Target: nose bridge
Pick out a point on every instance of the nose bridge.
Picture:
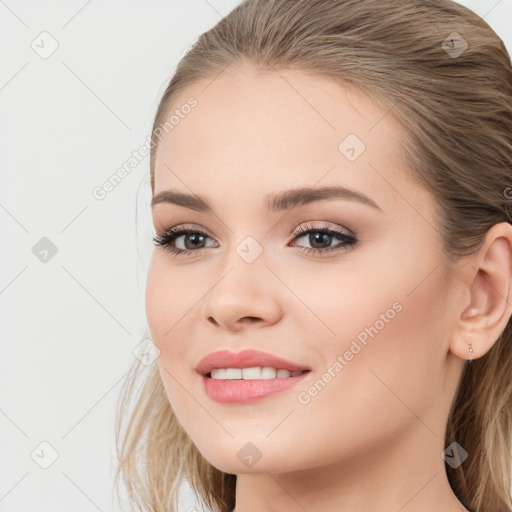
(244, 287)
(245, 243)
(243, 270)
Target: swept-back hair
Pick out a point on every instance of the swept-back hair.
(454, 104)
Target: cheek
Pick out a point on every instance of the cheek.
(385, 303)
(169, 300)
(169, 295)
(388, 300)
(381, 363)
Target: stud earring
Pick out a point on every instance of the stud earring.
(470, 350)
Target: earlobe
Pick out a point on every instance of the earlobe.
(489, 283)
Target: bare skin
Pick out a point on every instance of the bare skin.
(371, 439)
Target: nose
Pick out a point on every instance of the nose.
(243, 297)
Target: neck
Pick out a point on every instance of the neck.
(407, 475)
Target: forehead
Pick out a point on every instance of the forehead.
(258, 132)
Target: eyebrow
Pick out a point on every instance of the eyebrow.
(275, 202)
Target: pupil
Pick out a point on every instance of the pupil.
(319, 237)
(194, 238)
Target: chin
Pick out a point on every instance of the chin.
(237, 457)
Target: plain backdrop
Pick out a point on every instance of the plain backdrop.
(79, 86)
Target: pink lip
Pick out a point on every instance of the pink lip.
(245, 359)
(239, 391)
(242, 390)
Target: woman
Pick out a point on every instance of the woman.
(329, 290)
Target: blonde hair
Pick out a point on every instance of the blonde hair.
(456, 115)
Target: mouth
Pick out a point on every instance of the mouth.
(248, 375)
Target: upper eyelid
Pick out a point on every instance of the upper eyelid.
(301, 230)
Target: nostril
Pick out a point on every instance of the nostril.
(250, 318)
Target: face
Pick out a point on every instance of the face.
(353, 290)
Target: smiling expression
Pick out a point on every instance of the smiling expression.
(234, 173)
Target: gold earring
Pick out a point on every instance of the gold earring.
(470, 350)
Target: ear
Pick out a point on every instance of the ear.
(488, 295)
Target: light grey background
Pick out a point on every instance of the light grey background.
(69, 325)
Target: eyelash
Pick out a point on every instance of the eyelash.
(165, 240)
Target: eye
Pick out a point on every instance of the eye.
(194, 239)
(318, 236)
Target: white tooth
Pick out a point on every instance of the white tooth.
(219, 373)
(268, 373)
(233, 373)
(251, 373)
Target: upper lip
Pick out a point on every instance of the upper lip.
(245, 359)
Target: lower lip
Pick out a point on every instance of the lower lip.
(238, 391)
